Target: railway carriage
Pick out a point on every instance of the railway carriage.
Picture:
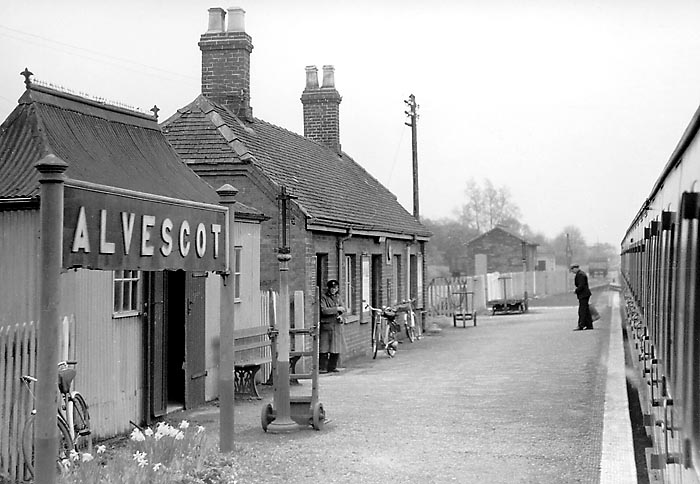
(661, 284)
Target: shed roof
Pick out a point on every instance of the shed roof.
(331, 188)
(501, 229)
(101, 144)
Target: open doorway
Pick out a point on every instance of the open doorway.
(174, 342)
(174, 328)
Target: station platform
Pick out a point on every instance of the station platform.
(519, 398)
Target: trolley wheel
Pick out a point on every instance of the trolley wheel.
(318, 417)
(267, 416)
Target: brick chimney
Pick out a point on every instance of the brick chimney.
(321, 108)
(226, 61)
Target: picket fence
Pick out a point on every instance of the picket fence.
(17, 358)
(445, 295)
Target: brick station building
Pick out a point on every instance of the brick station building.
(345, 224)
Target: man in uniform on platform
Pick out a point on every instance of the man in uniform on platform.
(583, 293)
(331, 337)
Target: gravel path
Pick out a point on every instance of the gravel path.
(516, 399)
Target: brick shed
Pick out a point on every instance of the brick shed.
(499, 250)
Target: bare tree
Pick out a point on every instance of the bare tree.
(487, 206)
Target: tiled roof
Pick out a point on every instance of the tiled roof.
(501, 229)
(101, 144)
(331, 188)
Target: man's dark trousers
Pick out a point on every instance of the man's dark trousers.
(585, 320)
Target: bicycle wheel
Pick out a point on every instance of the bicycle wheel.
(417, 326)
(81, 424)
(391, 342)
(65, 444)
(410, 328)
(376, 337)
(391, 346)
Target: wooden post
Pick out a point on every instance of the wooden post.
(413, 118)
(51, 180)
(227, 194)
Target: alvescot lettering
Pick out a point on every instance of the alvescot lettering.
(105, 247)
(148, 243)
(127, 229)
(81, 241)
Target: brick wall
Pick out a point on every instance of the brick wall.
(226, 70)
(322, 116)
(305, 246)
(504, 252)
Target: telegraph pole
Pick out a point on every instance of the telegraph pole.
(412, 118)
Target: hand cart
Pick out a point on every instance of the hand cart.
(304, 409)
(464, 307)
(508, 304)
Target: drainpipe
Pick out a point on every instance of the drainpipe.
(341, 253)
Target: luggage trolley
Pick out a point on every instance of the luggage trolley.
(508, 304)
(464, 308)
(304, 409)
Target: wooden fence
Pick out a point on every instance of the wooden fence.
(445, 294)
(17, 358)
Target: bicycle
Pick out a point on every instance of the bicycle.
(73, 419)
(384, 330)
(413, 331)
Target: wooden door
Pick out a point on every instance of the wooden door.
(156, 367)
(376, 299)
(195, 360)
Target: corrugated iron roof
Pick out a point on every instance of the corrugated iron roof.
(101, 144)
(332, 188)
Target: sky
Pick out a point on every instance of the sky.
(575, 107)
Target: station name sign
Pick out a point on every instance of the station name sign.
(113, 229)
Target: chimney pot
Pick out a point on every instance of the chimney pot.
(216, 20)
(311, 77)
(328, 77)
(236, 19)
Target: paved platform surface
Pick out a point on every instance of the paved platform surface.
(519, 398)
